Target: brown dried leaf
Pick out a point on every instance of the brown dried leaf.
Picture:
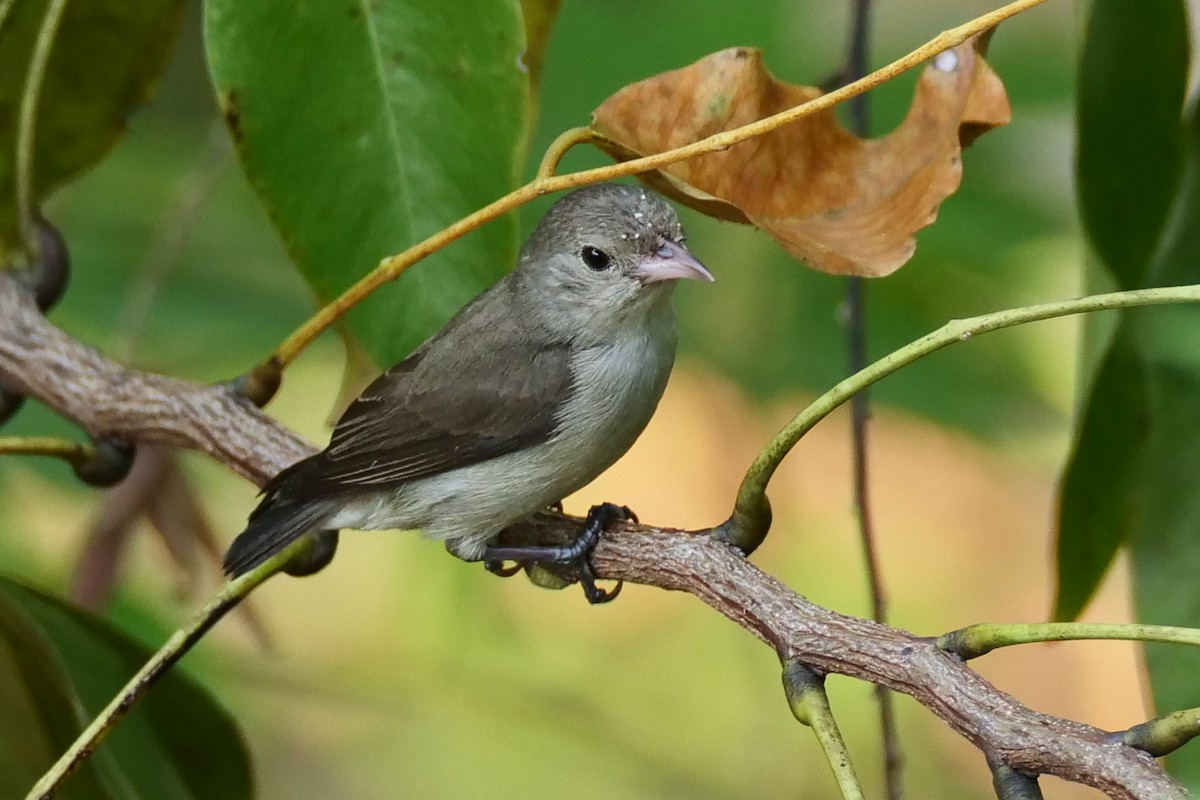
(844, 205)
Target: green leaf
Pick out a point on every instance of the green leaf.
(1131, 150)
(1166, 552)
(59, 666)
(367, 127)
(1099, 488)
(1165, 544)
(1132, 81)
(105, 63)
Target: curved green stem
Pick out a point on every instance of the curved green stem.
(810, 705)
(228, 596)
(977, 640)
(1165, 734)
(559, 147)
(26, 124)
(746, 526)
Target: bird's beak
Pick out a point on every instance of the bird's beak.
(669, 263)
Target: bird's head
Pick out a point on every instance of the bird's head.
(607, 255)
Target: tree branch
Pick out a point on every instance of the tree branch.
(107, 399)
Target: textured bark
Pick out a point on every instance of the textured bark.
(107, 399)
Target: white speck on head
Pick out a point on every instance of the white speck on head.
(946, 61)
(638, 215)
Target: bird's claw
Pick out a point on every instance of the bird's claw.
(498, 568)
(574, 554)
(587, 579)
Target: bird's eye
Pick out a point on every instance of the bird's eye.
(595, 258)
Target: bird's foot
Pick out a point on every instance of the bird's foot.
(575, 554)
(498, 569)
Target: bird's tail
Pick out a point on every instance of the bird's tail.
(271, 528)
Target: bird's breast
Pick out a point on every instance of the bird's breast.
(615, 390)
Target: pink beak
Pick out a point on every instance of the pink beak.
(671, 262)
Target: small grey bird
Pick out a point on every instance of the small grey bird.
(528, 393)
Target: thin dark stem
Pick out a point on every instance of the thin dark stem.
(856, 65)
(860, 409)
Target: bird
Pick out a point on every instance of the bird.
(528, 393)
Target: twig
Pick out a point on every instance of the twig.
(27, 124)
(810, 705)
(559, 147)
(72, 452)
(977, 640)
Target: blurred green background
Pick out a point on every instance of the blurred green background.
(401, 672)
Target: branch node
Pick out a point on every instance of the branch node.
(805, 689)
(10, 403)
(259, 384)
(104, 464)
(1164, 734)
(748, 525)
(799, 684)
(49, 275)
(316, 557)
(1010, 784)
(964, 643)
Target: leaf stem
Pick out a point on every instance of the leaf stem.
(810, 706)
(73, 452)
(390, 268)
(27, 123)
(180, 642)
(977, 640)
(752, 500)
(559, 147)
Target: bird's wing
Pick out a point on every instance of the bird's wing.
(422, 418)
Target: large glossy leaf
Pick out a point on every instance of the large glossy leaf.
(106, 60)
(366, 127)
(59, 666)
(1130, 151)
